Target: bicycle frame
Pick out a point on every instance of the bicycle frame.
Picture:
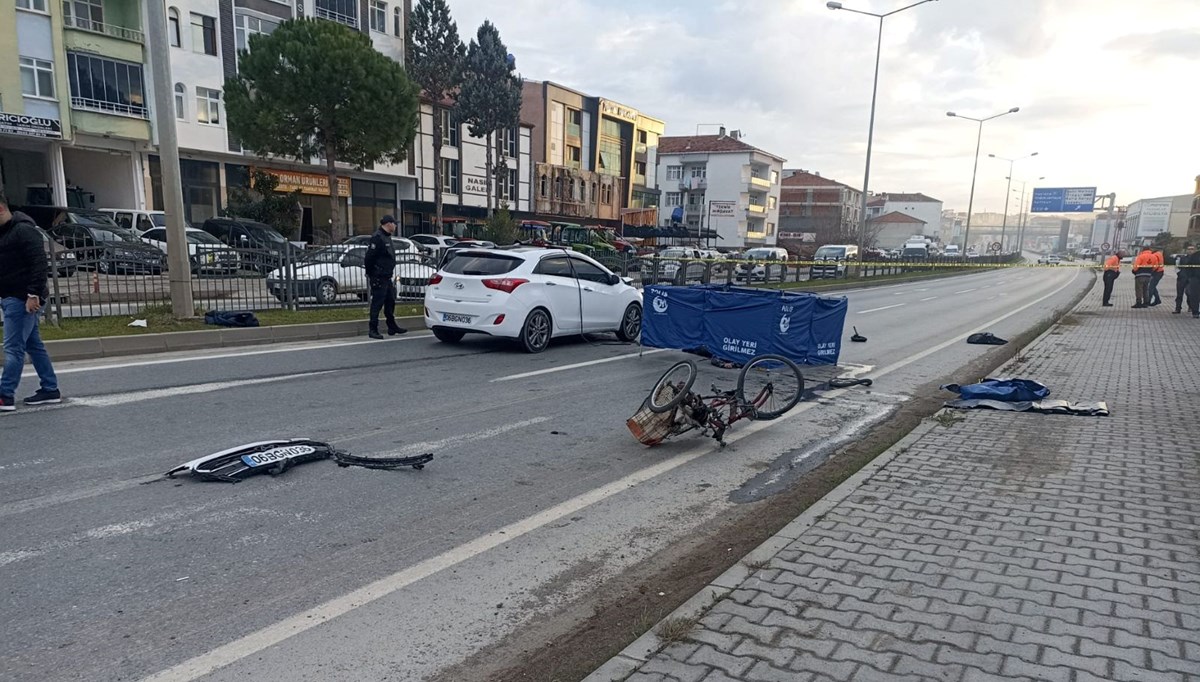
(705, 412)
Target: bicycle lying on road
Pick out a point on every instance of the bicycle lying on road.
(767, 387)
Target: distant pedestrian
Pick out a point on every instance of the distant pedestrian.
(24, 267)
(1181, 276)
(380, 263)
(1156, 276)
(1112, 270)
(1191, 263)
(1143, 270)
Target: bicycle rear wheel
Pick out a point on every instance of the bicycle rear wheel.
(673, 387)
(769, 386)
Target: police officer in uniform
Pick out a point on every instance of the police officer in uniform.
(380, 263)
(1181, 277)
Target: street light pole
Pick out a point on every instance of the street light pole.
(1021, 231)
(978, 140)
(1008, 193)
(862, 227)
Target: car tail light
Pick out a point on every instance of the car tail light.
(505, 284)
(499, 319)
(436, 279)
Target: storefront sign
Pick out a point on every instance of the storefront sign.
(30, 126)
(722, 209)
(614, 110)
(308, 183)
(475, 184)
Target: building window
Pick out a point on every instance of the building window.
(642, 137)
(34, 5)
(606, 194)
(449, 131)
(771, 203)
(173, 34)
(699, 171)
(208, 106)
(674, 172)
(610, 158)
(85, 14)
(450, 176)
(510, 142)
(695, 200)
(341, 11)
(372, 200)
(774, 177)
(508, 185)
(246, 26)
(674, 199)
(37, 77)
(204, 34)
(378, 16)
(106, 85)
(398, 22)
(574, 157)
(639, 172)
(770, 229)
(180, 102)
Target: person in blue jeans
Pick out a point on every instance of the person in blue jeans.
(24, 267)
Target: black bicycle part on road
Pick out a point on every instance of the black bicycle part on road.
(782, 386)
(673, 387)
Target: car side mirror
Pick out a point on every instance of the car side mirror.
(613, 280)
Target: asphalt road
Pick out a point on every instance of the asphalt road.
(536, 496)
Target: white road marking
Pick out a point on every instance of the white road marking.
(251, 644)
(277, 348)
(875, 310)
(965, 291)
(927, 299)
(589, 363)
(418, 448)
(159, 393)
(22, 506)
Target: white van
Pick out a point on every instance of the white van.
(753, 271)
(139, 221)
(830, 261)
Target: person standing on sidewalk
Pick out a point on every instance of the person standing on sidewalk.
(380, 263)
(1156, 276)
(1181, 277)
(1143, 270)
(1191, 263)
(24, 267)
(1112, 270)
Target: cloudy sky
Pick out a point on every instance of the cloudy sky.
(1109, 90)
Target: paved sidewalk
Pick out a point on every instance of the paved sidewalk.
(1005, 546)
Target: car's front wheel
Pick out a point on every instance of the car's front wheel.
(535, 333)
(631, 323)
(327, 291)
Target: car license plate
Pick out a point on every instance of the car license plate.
(461, 319)
(274, 455)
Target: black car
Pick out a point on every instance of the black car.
(97, 242)
(261, 247)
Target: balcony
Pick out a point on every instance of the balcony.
(332, 15)
(758, 184)
(756, 209)
(129, 110)
(686, 184)
(110, 30)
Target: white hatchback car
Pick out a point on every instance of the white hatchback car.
(529, 294)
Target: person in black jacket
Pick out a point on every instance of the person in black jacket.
(24, 267)
(1181, 277)
(380, 263)
(1191, 263)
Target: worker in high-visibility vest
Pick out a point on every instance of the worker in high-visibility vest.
(1143, 270)
(1112, 270)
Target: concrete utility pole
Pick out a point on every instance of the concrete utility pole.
(168, 153)
(975, 172)
(1008, 194)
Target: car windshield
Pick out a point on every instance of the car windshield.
(831, 252)
(265, 234)
(159, 219)
(202, 238)
(94, 220)
(109, 233)
(481, 264)
(673, 253)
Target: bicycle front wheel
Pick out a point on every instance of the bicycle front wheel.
(673, 387)
(769, 385)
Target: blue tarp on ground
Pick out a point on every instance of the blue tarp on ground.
(735, 324)
(1007, 390)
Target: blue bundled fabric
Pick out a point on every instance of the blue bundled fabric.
(1005, 390)
(735, 324)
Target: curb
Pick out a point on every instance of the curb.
(140, 344)
(639, 652)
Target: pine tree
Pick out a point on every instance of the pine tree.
(318, 88)
(490, 99)
(435, 63)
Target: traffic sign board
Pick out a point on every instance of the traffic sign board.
(1106, 246)
(995, 246)
(1063, 200)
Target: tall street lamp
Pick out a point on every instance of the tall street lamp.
(1021, 230)
(1008, 192)
(978, 140)
(862, 229)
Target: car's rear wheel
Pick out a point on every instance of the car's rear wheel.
(631, 323)
(448, 335)
(535, 333)
(327, 291)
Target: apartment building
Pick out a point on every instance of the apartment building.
(817, 209)
(723, 186)
(77, 111)
(924, 208)
(594, 158)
